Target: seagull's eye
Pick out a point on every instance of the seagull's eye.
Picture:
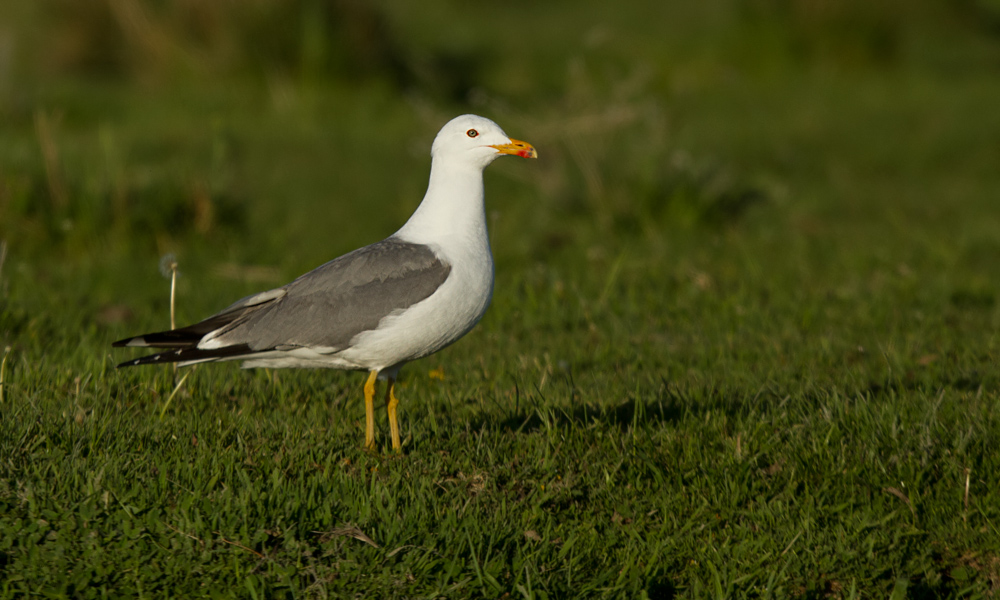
(472, 133)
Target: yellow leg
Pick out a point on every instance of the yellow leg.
(370, 410)
(391, 401)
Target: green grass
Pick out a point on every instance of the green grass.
(742, 343)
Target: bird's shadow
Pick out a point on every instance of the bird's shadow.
(534, 410)
(668, 403)
(623, 415)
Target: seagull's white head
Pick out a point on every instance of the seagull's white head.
(478, 141)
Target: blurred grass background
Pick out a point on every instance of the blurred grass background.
(749, 218)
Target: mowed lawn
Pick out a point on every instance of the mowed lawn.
(743, 340)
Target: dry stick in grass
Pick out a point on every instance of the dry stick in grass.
(173, 298)
(186, 534)
(902, 496)
(168, 267)
(965, 513)
(238, 545)
(6, 351)
(3, 256)
(349, 530)
(169, 262)
(3, 367)
(177, 388)
(173, 295)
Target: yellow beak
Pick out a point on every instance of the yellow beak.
(517, 148)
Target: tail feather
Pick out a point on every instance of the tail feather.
(191, 355)
(184, 337)
(183, 342)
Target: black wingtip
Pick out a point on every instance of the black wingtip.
(161, 358)
(189, 355)
(135, 362)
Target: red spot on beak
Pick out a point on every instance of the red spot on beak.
(517, 148)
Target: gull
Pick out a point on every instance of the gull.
(380, 306)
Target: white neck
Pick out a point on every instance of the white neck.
(453, 210)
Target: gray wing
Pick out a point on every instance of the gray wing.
(331, 304)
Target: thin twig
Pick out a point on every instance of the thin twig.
(172, 394)
(902, 496)
(3, 367)
(173, 297)
(349, 530)
(791, 543)
(968, 472)
(238, 545)
(186, 534)
(3, 255)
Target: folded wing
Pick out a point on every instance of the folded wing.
(325, 308)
